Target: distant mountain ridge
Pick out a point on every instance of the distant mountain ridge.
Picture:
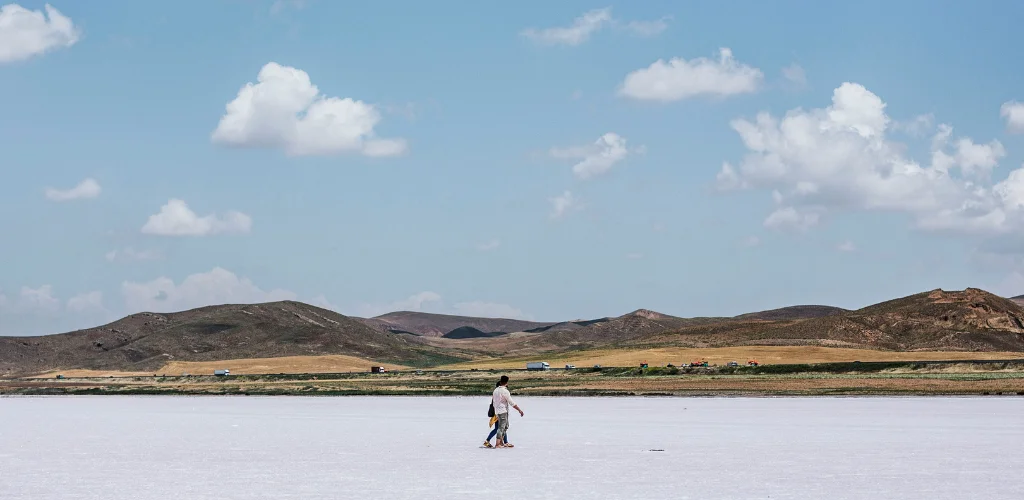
(967, 320)
(437, 325)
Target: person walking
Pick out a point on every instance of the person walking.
(502, 401)
(493, 424)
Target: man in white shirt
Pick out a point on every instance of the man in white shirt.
(502, 400)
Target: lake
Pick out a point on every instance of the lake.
(222, 448)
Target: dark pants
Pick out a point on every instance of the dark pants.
(494, 431)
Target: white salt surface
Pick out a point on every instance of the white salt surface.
(223, 448)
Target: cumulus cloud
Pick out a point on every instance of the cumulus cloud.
(27, 33)
(790, 218)
(218, 286)
(562, 204)
(917, 126)
(176, 219)
(31, 301)
(795, 75)
(580, 30)
(417, 302)
(285, 110)
(129, 253)
(681, 79)
(597, 158)
(488, 310)
(841, 158)
(34, 311)
(1013, 112)
(85, 190)
(86, 302)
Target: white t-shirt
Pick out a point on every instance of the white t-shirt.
(502, 400)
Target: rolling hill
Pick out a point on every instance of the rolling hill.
(147, 341)
(437, 325)
(1018, 299)
(968, 320)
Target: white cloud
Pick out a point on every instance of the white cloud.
(846, 246)
(580, 30)
(789, 218)
(648, 28)
(415, 302)
(176, 219)
(129, 253)
(85, 190)
(489, 245)
(917, 126)
(285, 110)
(680, 79)
(27, 33)
(562, 204)
(279, 6)
(597, 158)
(218, 286)
(86, 302)
(322, 302)
(35, 311)
(586, 25)
(488, 310)
(1013, 112)
(795, 75)
(31, 301)
(840, 158)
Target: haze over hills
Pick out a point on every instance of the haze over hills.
(1018, 299)
(969, 320)
(437, 325)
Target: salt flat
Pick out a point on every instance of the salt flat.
(197, 448)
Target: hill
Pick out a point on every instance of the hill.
(147, 341)
(793, 313)
(968, 320)
(1018, 299)
(437, 325)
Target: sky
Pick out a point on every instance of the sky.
(545, 161)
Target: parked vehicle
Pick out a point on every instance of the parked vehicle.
(733, 363)
(570, 367)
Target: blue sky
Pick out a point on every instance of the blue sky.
(405, 155)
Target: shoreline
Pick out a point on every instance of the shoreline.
(1000, 378)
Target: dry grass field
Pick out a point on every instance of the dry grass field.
(285, 364)
(721, 356)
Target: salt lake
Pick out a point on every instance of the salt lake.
(199, 448)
